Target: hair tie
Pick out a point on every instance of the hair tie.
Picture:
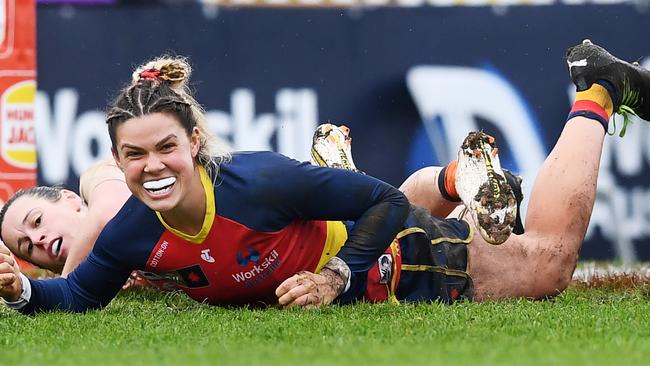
(151, 74)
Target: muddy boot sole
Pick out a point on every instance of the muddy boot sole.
(483, 188)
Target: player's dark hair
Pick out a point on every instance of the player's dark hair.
(52, 194)
(160, 86)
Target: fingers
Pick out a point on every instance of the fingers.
(300, 295)
(7, 268)
(307, 301)
(291, 289)
(7, 279)
(4, 249)
(286, 286)
(8, 259)
(299, 290)
(10, 287)
(8, 274)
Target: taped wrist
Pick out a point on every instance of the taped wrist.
(342, 271)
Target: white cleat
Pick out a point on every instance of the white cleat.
(482, 186)
(332, 147)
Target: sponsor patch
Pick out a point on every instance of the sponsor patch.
(385, 266)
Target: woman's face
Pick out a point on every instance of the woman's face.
(157, 158)
(41, 231)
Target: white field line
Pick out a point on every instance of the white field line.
(587, 271)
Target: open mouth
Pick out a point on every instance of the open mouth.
(160, 186)
(56, 247)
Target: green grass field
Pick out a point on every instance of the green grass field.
(605, 325)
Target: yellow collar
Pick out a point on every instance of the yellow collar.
(209, 212)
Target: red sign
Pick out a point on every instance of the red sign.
(17, 93)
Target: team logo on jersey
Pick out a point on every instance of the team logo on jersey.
(385, 266)
(193, 276)
(205, 255)
(245, 256)
(261, 269)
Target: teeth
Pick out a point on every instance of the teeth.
(56, 249)
(159, 192)
(159, 184)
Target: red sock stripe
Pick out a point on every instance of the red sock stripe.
(591, 106)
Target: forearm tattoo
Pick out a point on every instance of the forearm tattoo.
(337, 273)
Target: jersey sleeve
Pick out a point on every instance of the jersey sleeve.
(96, 281)
(91, 286)
(309, 192)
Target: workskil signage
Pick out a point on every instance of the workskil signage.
(408, 82)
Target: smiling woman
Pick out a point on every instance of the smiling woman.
(258, 228)
(195, 210)
(158, 163)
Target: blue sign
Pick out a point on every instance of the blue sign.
(408, 82)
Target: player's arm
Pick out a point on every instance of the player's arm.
(378, 209)
(92, 285)
(10, 283)
(104, 190)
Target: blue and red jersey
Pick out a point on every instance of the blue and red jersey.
(267, 217)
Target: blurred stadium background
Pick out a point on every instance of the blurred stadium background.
(410, 77)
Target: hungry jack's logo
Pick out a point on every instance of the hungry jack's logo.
(18, 134)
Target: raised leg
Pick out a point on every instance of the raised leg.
(422, 190)
(540, 263)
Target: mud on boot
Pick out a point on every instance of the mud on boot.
(482, 186)
(515, 182)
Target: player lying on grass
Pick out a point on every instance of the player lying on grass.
(538, 264)
(69, 224)
(18, 224)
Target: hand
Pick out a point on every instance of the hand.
(10, 285)
(310, 290)
(136, 280)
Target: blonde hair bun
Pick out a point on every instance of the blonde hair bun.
(175, 70)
